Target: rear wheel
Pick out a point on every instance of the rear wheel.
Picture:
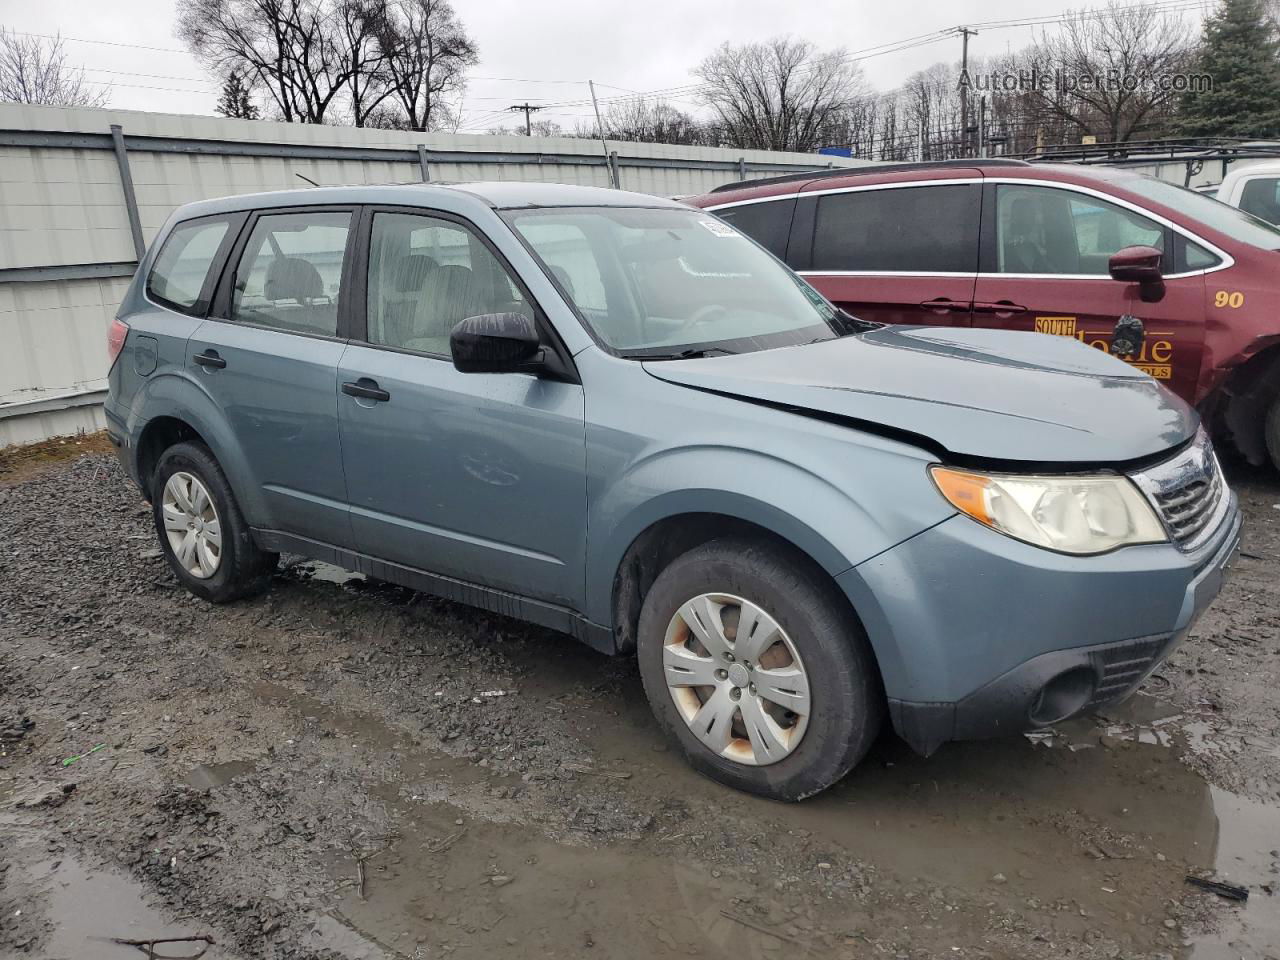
(755, 665)
(202, 534)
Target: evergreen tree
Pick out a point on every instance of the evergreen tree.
(1240, 52)
(235, 101)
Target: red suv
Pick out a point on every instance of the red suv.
(1068, 250)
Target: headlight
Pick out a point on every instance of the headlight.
(1069, 514)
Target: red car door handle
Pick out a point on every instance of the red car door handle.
(944, 305)
(1001, 308)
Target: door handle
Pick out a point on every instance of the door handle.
(1001, 308)
(366, 389)
(944, 305)
(210, 359)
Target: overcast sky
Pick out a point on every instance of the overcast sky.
(545, 51)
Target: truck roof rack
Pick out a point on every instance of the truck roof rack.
(870, 168)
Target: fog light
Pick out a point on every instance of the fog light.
(1063, 696)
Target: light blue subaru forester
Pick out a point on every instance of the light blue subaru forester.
(618, 417)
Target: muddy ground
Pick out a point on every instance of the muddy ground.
(339, 769)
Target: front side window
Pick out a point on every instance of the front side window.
(658, 282)
(1049, 231)
(290, 273)
(899, 230)
(768, 223)
(425, 275)
(1262, 198)
(182, 266)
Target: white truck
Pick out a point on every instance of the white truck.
(1254, 189)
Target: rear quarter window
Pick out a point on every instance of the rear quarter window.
(179, 276)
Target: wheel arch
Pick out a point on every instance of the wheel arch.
(172, 410)
(1241, 404)
(651, 550)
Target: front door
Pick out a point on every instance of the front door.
(1045, 256)
(270, 363)
(476, 476)
(893, 253)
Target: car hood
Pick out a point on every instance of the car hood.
(976, 394)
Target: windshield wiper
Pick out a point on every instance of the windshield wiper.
(690, 354)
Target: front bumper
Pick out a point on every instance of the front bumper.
(981, 636)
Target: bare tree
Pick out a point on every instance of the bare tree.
(649, 121)
(35, 70)
(539, 128)
(777, 95)
(1106, 67)
(362, 26)
(427, 53)
(294, 50)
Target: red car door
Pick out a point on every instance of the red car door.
(1045, 250)
(902, 251)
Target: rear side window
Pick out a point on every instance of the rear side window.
(767, 223)
(1262, 199)
(290, 274)
(426, 274)
(899, 230)
(178, 276)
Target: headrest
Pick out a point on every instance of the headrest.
(411, 271)
(292, 278)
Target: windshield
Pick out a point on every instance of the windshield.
(666, 282)
(1220, 216)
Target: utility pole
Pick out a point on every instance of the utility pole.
(528, 108)
(965, 33)
(982, 126)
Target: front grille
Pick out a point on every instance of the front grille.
(1122, 665)
(1189, 493)
(1187, 511)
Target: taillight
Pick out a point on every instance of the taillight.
(115, 339)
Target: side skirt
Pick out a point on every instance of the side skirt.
(486, 598)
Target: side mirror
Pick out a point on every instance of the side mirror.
(1140, 265)
(495, 343)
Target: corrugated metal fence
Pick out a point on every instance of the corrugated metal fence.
(84, 191)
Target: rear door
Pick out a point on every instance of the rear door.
(903, 252)
(476, 476)
(268, 357)
(1045, 258)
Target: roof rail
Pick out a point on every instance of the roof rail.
(870, 168)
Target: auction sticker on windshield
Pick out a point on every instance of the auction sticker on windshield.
(719, 228)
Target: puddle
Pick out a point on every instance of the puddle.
(1247, 853)
(210, 776)
(351, 581)
(507, 891)
(82, 908)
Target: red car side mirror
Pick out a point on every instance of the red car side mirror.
(1140, 265)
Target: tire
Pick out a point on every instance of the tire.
(237, 568)
(818, 632)
(1271, 431)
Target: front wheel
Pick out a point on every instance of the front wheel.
(202, 534)
(1271, 431)
(756, 666)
